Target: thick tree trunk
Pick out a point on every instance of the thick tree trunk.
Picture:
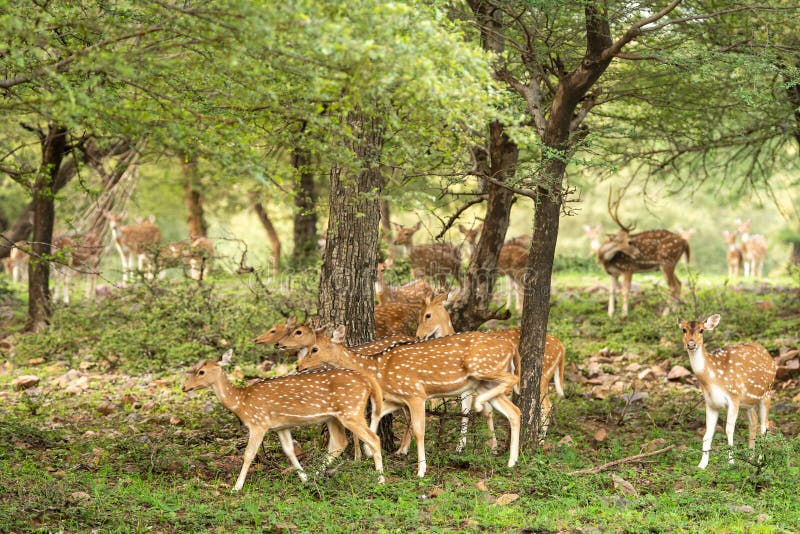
(386, 227)
(306, 249)
(346, 286)
(472, 306)
(193, 197)
(272, 235)
(54, 144)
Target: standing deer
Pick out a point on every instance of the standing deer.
(732, 377)
(434, 321)
(437, 260)
(338, 397)
(409, 374)
(733, 254)
(471, 236)
(135, 243)
(513, 263)
(81, 255)
(624, 254)
(754, 250)
(413, 292)
(396, 318)
(16, 264)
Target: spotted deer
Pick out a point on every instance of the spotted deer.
(471, 236)
(624, 254)
(434, 321)
(81, 254)
(195, 254)
(16, 264)
(136, 243)
(754, 250)
(733, 254)
(513, 263)
(396, 318)
(437, 260)
(410, 374)
(413, 292)
(337, 397)
(732, 377)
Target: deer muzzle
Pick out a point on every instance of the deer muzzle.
(691, 345)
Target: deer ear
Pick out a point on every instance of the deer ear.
(226, 358)
(462, 229)
(291, 322)
(440, 298)
(339, 335)
(418, 226)
(712, 322)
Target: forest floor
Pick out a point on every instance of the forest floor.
(102, 438)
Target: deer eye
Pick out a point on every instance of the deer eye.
(201, 372)
(684, 330)
(427, 315)
(700, 331)
(315, 349)
(298, 333)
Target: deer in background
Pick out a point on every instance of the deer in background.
(81, 254)
(409, 374)
(754, 250)
(434, 321)
(732, 377)
(196, 254)
(136, 243)
(337, 397)
(437, 260)
(413, 292)
(16, 264)
(512, 262)
(396, 318)
(624, 254)
(471, 236)
(733, 254)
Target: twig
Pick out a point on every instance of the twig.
(595, 470)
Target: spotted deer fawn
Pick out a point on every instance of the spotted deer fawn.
(434, 321)
(81, 255)
(437, 260)
(136, 243)
(732, 377)
(337, 397)
(413, 292)
(624, 254)
(410, 374)
(754, 250)
(733, 254)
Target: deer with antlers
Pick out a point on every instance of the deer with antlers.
(410, 374)
(337, 397)
(624, 254)
(434, 321)
(413, 292)
(437, 260)
(732, 377)
(754, 250)
(136, 243)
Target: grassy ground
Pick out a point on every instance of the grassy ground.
(108, 441)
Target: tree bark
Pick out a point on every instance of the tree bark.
(193, 197)
(54, 144)
(306, 248)
(272, 235)
(386, 227)
(346, 286)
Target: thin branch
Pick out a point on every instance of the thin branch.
(453, 218)
(636, 30)
(629, 459)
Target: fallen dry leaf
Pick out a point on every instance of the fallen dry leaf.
(481, 485)
(36, 361)
(435, 492)
(507, 498)
(677, 372)
(623, 485)
(566, 440)
(743, 508)
(81, 496)
(601, 435)
(25, 382)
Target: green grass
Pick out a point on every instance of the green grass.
(133, 453)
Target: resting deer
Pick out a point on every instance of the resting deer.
(754, 250)
(731, 377)
(437, 260)
(733, 255)
(135, 243)
(434, 321)
(410, 374)
(196, 254)
(624, 254)
(337, 397)
(82, 255)
(16, 264)
(413, 292)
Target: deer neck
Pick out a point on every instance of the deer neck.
(229, 395)
(702, 367)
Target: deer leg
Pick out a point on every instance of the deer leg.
(763, 413)
(752, 420)
(405, 441)
(337, 441)
(360, 429)
(253, 443)
(504, 405)
(285, 437)
(417, 408)
(730, 425)
(466, 406)
(488, 415)
(90, 283)
(506, 383)
(674, 287)
(612, 290)
(712, 414)
(626, 291)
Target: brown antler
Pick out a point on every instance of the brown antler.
(614, 213)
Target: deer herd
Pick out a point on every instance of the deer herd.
(418, 356)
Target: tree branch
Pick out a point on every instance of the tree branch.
(636, 30)
(629, 459)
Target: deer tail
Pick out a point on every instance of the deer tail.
(687, 252)
(376, 394)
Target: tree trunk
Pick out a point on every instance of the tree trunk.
(386, 227)
(346, 286)
(39, 305)
(193, 197)
(306, 248)
(272, 235)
